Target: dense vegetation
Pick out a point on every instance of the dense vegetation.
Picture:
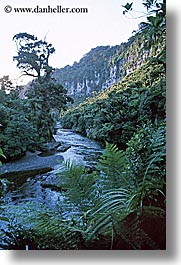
(28, 116)
(117, 206)
(119, 112)
(132, 115)
(27, 123)
(121, 203)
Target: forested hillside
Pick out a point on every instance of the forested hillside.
(132, 116)
(104, 66)
(106, 189)
(120, 111)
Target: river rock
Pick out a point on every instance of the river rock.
(52, 146)
(30, 165)
(63, 147)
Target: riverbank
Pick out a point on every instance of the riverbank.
(29, 165)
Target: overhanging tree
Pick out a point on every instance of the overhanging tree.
(33, 56)
(155, 26)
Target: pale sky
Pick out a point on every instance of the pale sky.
(72, 35)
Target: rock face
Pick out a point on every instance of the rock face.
(103, 67)
(52, 146)
(91, 74)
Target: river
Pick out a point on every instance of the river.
(25, 191)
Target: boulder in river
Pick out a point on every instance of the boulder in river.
(52, 146)
(63, 148)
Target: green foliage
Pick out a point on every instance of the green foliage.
(114, 203)
(27, 122)
(18, 136)
(33, 55)
(32, 224)
(148, 147)
(39, 108)
(46, 99)
(136, 195)
(154, 29)
(131, 186)
(128, 7)
(79, 184)
(112, 164)
(1, 155)
(121, 205)
(115, 114)
(152, 6)
(17, 132)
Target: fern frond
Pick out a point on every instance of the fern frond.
(110, 200)
(79, 184)
(113, 165)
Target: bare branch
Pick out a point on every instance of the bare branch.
(29, 74)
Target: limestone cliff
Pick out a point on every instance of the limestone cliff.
(104, 66)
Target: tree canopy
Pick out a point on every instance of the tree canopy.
(33, 55)
(28, 114)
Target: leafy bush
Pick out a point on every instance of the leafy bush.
(29, 121)
(18, 136)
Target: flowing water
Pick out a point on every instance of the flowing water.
(24, 188)
(30, 191)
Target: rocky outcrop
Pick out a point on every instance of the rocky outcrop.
(91, 74)
(103, 67)
(30, 165)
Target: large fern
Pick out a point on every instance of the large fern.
(134, 193)
(55, 233)
(79, 184)
(113, 166)
(112, 202)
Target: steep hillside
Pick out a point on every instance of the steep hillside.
(103, 67)
(118, 112)
(91, 73)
